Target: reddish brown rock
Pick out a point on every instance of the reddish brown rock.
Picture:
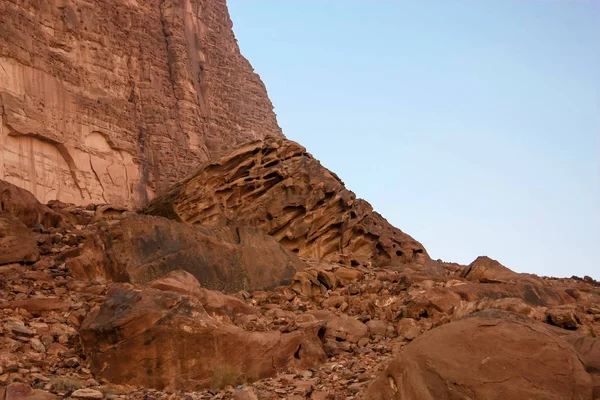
(20, 391)
(348, 275)
(22, 205)
(110, 101)
(346, 329)
(277, 186)
(306, 283)
(178, 281)
(564, 317)
(216, 304)
(533, 290)
(37, 305)
(487, 270)
(17, 242)
(141, 248)
(491, 354)
(377, 328)
(165, 340)
(512, 304)
(430, 303)
(407, 328)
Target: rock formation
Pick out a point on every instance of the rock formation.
(166, 340)
(110, 101)
(334, 332)
(141, 248)
(490, 354)
(254, 274)
(277, 186)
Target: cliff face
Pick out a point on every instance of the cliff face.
(113, 100)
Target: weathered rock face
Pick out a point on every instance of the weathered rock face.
(16, 242)
(277, 186)
(491, 354)
(165, 340)
(110, 101)
(141, 248)
(21, 204)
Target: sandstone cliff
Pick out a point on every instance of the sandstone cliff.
(109, 101)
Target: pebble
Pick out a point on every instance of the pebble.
(87, 394)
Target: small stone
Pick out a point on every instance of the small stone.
(40, 378)
(354, 388)
(18, 329)
(91, 382)
(318, 396)
(47, 340)
(12, 368)
(37, 345)
(39, 327)
(87, 394)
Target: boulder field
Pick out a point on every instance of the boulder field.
(160, 239)
(104, 302)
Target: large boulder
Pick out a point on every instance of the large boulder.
(17, 243)
(166, 340)
(277, 186)
(23, 205)
(142, 248)
(488, 355)
(486, 269)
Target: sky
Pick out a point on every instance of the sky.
(473, 126)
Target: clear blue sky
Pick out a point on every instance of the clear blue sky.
(473, 126)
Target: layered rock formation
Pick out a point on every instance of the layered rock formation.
(111, 101)
(277, 186)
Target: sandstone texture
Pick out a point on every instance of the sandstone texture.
(277, 186)
(21, 204)
(165, 340)
(110, 101)
(161, 240)
(332, 332)
(141, 248)
(489, 355)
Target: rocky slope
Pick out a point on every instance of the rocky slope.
(113, 100)
(257, 275)
(277, 186)
(332, 332)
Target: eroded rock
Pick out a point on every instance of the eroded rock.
(166, 340)
(277, 186)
